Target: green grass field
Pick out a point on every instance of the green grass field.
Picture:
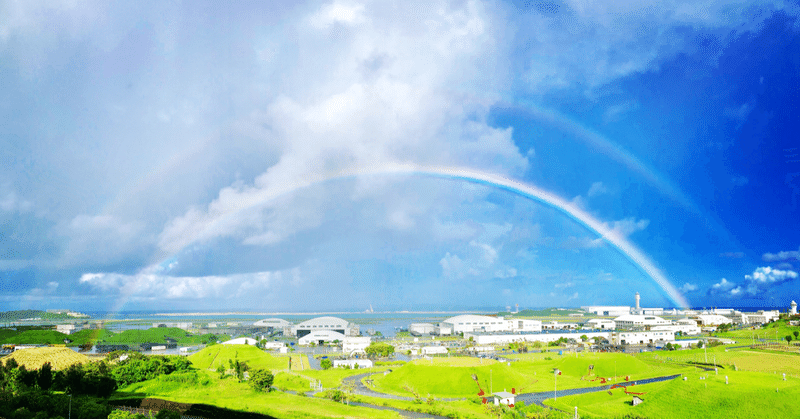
(230, 394)
(215, 355)
(530, 374)
(748, 395)
(745, 359)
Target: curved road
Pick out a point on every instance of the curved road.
(541, 396)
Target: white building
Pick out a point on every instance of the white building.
(793, 308)
(524, 325)
(443, 330)
(333, 324)
(612, 311)
(761, 317)
(642, 337)
(241, 341)
(69, 329)
(474, 323)
(686, 329)
(504, 397)
(273, 324)
(434, 350)
(353, 344)
(272, 346)
(421, 329)
(631, 321)
(319, 337)
(605, 324)
(554, 325)
(711, 319)
(352, 363)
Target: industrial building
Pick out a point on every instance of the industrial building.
(611, 311)
(333, 324)
(352, 345)
(606, 324)
(320, 337)
(273, 324)
(420, 329)
(632, 321)
(686, 329)
(474, 323)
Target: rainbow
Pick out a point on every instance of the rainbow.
(621, 243)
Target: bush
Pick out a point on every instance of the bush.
(261, 380)
(326, 364)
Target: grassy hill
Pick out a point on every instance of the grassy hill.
(32, 337)
(212, 356)
(532, 374)
(59, 358)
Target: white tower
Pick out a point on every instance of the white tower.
(637, 301)
(793, 309)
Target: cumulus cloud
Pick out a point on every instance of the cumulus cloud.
(754, 284)
(371, 99)
(596, 189)
(10, 202)
(627, 226)
(687, 287)
(781, 256)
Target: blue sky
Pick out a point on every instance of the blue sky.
(170, 155)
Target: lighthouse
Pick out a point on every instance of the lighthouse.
(637, 301)
(793, 309)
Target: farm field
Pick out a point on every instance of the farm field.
(59, 358)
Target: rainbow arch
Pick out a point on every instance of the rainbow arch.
(621, 243)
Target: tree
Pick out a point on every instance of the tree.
(168, 414)
(326, 364)
(700, 344)
(668, 346)
(381, 349)
(796, 335)
(584, 338)
(45, 377)
(788, 338)
(221, 370)
(261, 380)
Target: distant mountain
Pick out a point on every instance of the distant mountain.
(19, 315)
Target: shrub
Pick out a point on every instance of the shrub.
(261, 380)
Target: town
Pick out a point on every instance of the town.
(598, 361)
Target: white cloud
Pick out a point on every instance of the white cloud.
(756, 283)
(371, 98)
(337, 12)
(564, 285)
(150, 284)
(597, 189)
(687, 287)
(723, 285)
(481, 260)
(629, 37)
(627, 226)
(781, 256)
(11, 202)
(101, 238)
(768, 275)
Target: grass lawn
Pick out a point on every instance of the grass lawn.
(530, 375)
(745, 359)
(292, 382)
(212, 356)
(230, 394)
(748, 395)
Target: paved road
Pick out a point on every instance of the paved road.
(540, 397)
